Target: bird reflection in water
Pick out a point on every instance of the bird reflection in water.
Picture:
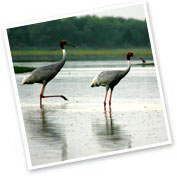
(46, 136)
(43, 115)
(110, 116)
(110, 135)
(57, 137)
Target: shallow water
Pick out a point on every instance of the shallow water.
(80, 127)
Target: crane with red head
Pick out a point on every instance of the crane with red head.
(110, 79)
(45, 74)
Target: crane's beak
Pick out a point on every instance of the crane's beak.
(139, 57)
(70, 45)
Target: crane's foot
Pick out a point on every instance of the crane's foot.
(64, 98)
(42, 96)
(61, 96)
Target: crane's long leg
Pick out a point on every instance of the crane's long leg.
(42, 96)
(110, 115)
(110, 97)
(105, 98)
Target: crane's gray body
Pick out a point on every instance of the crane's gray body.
(109, 79)
(44, 74)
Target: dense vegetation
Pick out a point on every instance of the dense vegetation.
(20, 69)
(85, 32)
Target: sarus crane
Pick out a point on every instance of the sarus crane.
(45, 74)
(110, 79)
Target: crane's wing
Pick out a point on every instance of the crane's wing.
(106, 78)
(42, 74)
(45, 73)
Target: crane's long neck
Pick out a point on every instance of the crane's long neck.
(128, 68)
(62, 62)
(64, 54)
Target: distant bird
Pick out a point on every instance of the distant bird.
(143, 60)
(110, 79)
(45, 74)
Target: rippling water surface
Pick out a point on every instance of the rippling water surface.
(80, 127)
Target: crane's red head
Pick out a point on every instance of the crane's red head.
(64, 42)
(129, 54)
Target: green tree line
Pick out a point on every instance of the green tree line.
(85, 32)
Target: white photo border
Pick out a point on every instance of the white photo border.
(17, 99)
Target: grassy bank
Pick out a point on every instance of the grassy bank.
(20, 69)
(74, 54)
(77, 54)
(120, 52)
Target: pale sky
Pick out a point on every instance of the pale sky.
(135, 11)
